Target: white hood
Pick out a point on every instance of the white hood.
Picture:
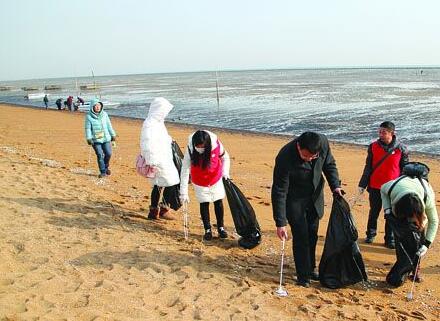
(155, 143)
(159, 109)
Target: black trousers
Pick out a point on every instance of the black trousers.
(375, 209)
(408, 241)
(155, 196)
(304, 222)
(219, 214)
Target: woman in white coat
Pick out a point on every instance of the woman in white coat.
(156, 149)
(207, 161)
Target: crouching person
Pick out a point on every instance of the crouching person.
(409, 206)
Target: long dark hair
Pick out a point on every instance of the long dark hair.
(203, 160)
(409, 206)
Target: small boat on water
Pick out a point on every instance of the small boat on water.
(107, 105)
(89, 87)
(30, 88)
(35, 96)
(52, 87)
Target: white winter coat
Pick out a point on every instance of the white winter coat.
(156, 144)
(204, 193)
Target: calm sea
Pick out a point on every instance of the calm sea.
(346, 104)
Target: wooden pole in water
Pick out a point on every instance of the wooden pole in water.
(218, 96)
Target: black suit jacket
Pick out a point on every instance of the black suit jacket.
(282, 188)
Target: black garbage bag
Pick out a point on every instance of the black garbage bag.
(341, 262)
(171, 194)
(408, 240)
(243, 214)
(177, 155)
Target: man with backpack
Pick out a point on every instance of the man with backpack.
(409, 206)
(385, 160)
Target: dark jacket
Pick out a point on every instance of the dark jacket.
(395, 144)
(286, 162)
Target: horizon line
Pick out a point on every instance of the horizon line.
(250, 69)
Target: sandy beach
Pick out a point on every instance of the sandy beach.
(75, 247)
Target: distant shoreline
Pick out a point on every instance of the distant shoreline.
(231, 130)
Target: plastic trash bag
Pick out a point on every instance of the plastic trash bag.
(243, 214)
(171, 193)
(171, 197)
(341, 261)
(177, 155)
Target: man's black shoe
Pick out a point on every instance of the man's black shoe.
(369, 239)
(314, 276)
(303, 283)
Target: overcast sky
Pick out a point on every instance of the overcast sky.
(58, 38)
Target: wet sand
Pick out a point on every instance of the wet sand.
(75, 247)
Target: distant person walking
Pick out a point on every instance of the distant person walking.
(207, 161)
(156, 149)
(46, 101)
(99, 133)
(298, 196)
(385, 160)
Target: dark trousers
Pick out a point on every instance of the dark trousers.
(155, 196)
(408, 241)
(103, 153)
(304, 225)
(375, 209)
(219, 214)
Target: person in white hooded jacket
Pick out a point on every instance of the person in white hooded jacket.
(155, 146)
(207, 161)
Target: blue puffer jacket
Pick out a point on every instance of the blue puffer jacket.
(97, 126)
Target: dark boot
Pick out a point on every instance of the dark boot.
(153, 214)
(165, 214)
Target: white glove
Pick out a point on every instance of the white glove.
(184, 198)
(361, 190)
(387, 213)
(422, 251)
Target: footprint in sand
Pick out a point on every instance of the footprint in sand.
(204, 275)
(181, 277)
(82, 302)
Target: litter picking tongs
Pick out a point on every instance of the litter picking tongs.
(281, 292)
(410, 294)
(353, 201)
(185, 220)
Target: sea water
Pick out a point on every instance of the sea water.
(346, 104)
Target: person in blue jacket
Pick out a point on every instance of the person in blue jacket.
(100, 133)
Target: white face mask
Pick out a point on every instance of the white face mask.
(200, 150)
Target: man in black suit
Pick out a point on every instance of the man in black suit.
(298, 198)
